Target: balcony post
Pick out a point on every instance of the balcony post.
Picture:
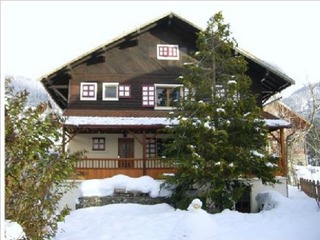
(144, 152)
(283, 153)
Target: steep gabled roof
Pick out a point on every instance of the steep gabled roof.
(121, 38)
(274, 78)
(273, 81)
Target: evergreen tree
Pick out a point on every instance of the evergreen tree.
(220, 139)
(36, 167)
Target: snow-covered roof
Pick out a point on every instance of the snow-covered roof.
(146, 121)
(132, 121)
(277, 123)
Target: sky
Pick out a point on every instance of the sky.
(40, 36)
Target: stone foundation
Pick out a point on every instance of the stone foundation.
(120, 196)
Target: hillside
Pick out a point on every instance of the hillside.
(37, 93)
(301, 101)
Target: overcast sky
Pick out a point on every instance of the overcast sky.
(38, 37)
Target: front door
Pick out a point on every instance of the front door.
(126, 150)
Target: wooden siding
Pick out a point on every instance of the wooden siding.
(136, 66)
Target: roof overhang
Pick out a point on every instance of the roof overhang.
(273, 80)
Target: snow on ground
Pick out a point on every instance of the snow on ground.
(293, 218)
(308, 172)
(13, 231)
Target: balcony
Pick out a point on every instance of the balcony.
(98, 168)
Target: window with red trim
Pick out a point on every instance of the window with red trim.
(124, 91)
(167, 52)
(148, 96)
(88, 91)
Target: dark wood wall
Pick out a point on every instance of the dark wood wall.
(133, 63)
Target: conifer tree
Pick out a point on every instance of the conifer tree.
(220, 139)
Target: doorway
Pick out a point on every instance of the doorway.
(126, 150)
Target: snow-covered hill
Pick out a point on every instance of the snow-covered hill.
(301, 101)
(37, 93)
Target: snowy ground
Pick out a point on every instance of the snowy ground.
(293, 218)
(308, 172)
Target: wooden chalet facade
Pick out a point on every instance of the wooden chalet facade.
(117, 97)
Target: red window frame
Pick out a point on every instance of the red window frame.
(124, 91)
(167, 51)
(148, 95)
(88, 90)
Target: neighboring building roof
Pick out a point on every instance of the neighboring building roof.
(283, 111)
(273, 82)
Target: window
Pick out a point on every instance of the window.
(124, 91)
(88, 91)
(167, 52)
(98, 144)
(167, 96)
(154, 147)
(110, 91)
(148, 96)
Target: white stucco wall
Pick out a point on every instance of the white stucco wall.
(258, 187)
(70, 199)
(82, 142)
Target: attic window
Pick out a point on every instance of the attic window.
(88, 91)
(167, 52)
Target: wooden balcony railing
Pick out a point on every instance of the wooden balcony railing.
(121, 163)
(89, 168)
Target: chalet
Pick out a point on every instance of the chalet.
(118, 96)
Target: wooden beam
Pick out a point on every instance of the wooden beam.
(274, 137)
(59, 86)
(144, 152)
(60, 94)
(283, 153)
(135, 137)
